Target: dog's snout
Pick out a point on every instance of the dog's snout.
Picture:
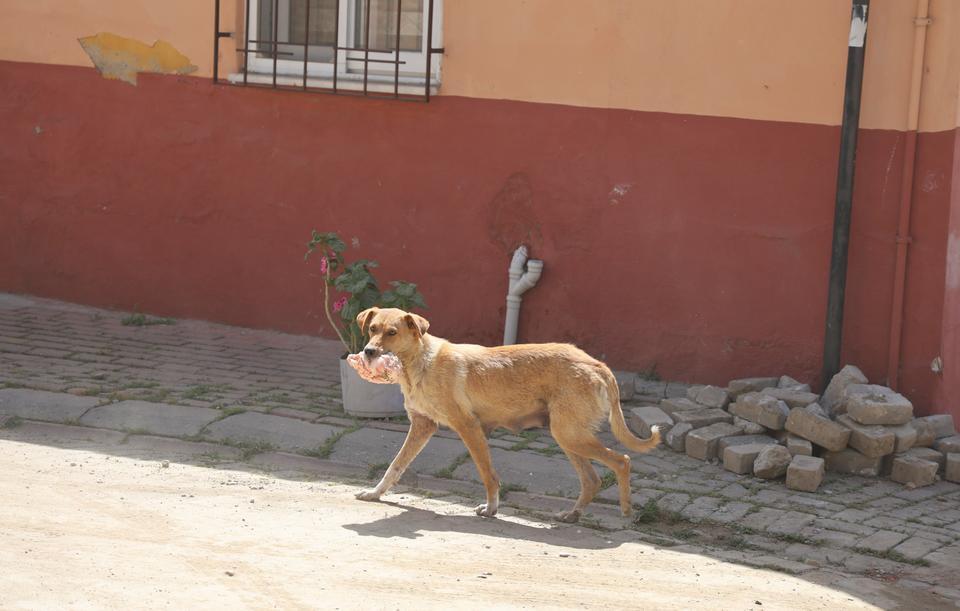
(370, 351)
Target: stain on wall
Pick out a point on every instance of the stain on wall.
(122, 58)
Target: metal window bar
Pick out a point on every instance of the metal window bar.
(271, 49)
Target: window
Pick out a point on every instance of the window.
(379, 47)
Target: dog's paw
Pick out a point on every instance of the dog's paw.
(368, 495)
(569, 517)
(485, 511)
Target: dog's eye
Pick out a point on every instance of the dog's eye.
(374, 329)
(392, 332)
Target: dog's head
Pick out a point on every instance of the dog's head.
(391, 330)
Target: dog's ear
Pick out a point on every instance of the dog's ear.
(417, 323)
(364, 318)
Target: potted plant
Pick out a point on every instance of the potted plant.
(358, 291)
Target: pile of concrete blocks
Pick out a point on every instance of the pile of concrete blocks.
(777, 427)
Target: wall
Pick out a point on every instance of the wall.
(678, 181)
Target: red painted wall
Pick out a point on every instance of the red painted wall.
(699, 244)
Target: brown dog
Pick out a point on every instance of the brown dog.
(474, 390)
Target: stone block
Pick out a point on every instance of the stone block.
(749, 428)
(798, 446)
(789, 383)
(702, 417)
(744, 385)
(761, 409)
(772, 462)
(692, 391)
(677, 436)
(948, 445)
(926, 432)
(740, 458)
(904, 437)
(712, 396)
(678, 404)
(927, 454)
(914, 472)
(953, 468)
(875, 404)
(805, 473)
(627, 381)
(869, 440)
(793, 398)
(942, 425)
(853, 462)
(702, 443)
(819, 430)
(832, 399)
(738, 440)
(643, 418)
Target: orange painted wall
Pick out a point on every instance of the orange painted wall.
(757, 59)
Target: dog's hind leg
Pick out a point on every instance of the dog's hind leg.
(589, 487)
(581, 442)
(420, 432)
(471, 432)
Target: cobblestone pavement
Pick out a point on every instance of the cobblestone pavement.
(273, 399)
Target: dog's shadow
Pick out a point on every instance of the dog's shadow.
(413, 522)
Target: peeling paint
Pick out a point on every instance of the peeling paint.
(116, 57)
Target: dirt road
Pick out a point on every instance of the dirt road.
(91, 530)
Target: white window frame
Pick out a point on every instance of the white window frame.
(348, 68)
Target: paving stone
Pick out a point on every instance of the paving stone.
(702, 417)
(942, 425)
(819, 430)
(805, 473)
(626, 380)
(170, 447)
(798, 446)
(916, 548)
(855, 515)
(834, 538)
(372, 447)
(744, 385)
(736, 491)
(853, 462)
(948, 445)
(793, 398)
(643, 418)
(875, 404)
(30, 430)
(819, 556)
(702, 442)
(712, 396)
(283, 433)
(740, 458)
(676, 438)
(700, 508)
(537, 473)
(953, 468)
(679, 404)
(762, 518)
(674, 502)
(299, 414)
(749, 428)
(731, 512)
(869, 440)
(43, 405)
(761, 409)
(914, 472)
(838, 525)
(297, 463)
(905, 437)
(881, 541)
(832, 399)
(771, 462)
(154, 418)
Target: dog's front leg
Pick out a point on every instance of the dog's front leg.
(421, 430)
(471, 432)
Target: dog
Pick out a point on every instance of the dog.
(474, 390)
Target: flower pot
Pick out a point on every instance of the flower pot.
(362, 399)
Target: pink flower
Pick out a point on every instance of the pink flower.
(323, 265)
(339, 303)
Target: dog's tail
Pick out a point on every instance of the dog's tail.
(619, 426)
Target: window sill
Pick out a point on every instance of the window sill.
(409, 86)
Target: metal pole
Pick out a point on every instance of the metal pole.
(216, 41)
(426, 92)
(306, 43)
(856, 50)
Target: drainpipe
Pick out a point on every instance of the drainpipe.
(520, 282)
(856, 49)
(906, 192)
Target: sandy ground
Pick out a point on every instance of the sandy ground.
(84, 529)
